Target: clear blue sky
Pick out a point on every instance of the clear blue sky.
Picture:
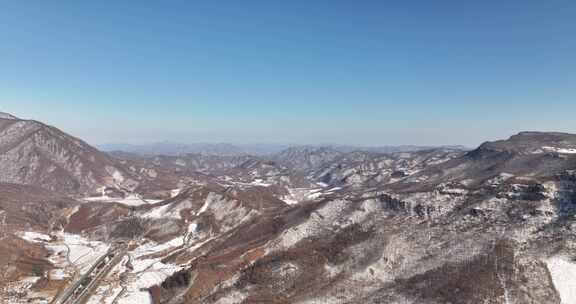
(350, 72)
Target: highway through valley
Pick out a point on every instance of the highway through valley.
(82, 288)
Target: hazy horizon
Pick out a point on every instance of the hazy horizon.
(370, 74)
(278, 145)
(190, 140)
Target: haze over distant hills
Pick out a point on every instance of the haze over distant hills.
(173, 148)
(307, 224)
(288, 152)
(226, 149)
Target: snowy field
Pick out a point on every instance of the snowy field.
(70, 253)
(128, 284)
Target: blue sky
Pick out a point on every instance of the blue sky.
(349, 72)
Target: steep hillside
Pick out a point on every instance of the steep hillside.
(32, 153)
(494, 225)
(158, 175)
(306, 158)
(365, 169)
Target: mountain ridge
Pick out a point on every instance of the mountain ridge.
(308, 225)
(34, 153)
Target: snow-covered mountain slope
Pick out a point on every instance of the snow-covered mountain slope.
(33, 153)
(366, 169)
(158, 175)
(494, 225)
(306, 158)
(522, 156)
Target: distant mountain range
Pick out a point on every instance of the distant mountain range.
(226, 149)
(174, 149)
(303, 224)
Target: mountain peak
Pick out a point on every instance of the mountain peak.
(531, 142)
(33, 153)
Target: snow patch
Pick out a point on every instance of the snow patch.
(563, 275)
(260, 182)
(211, 198)
(175, 192)
(34, 237)
(58, 275)
(153, 248)
(154, 273)
(146, 273)
(76, 251)
(117, 176)
(297, 195)
(234, 297)
(136, 297)
(130, 200)
(559, 150)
